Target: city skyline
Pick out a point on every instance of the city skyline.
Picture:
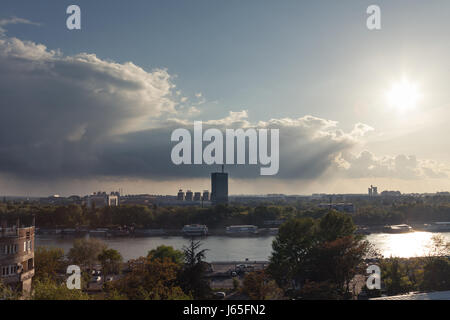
(93, 109)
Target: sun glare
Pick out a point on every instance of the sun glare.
(404, 95)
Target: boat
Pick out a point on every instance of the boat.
(193, 230)
(398, 228)
(438, 227)
(242, 230)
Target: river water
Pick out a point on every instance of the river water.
(223, 248)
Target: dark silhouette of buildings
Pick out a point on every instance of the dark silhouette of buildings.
(219, 187)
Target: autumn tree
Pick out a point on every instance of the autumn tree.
(259, 285)
(151, 280)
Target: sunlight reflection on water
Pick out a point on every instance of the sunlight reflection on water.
(405, 245)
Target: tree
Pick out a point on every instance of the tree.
(259, 286)
(395, 277)
(337, 262)
(323, 253)
(436, 275)
(110, 260)
(335, 225)
(436, 269)
(7, 293)
(192, 277)
(169, 252)
(48, 289)
(48, 262)
(290, 250)
(85, 252)
(151, 280)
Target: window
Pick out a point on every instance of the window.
(9, 270)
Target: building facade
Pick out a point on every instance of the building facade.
(219, 187)
(102, 199)
(17, 257)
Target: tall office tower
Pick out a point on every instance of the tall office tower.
(219, 187)
(180, 196)
(189, 195)
(197, 196)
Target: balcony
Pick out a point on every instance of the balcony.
(25, 275)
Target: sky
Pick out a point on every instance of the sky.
(94, 109)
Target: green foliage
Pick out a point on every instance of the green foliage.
(49, 262)
(85, 252)
(7, 293)
(395, 277)
(192, 277)
(150, 280)
(436, 275)
(324, 253)
(111, 261)
(47, 289)
(169, 252)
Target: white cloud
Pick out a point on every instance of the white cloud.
(14, 20)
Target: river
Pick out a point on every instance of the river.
(223, 248)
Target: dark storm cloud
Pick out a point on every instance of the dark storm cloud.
(65, 117)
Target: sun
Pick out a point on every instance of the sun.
(404, 95)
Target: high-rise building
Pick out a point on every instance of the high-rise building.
(189, 195)
(373, 191)
(219, 187)
(197, 196)
(205, 196)
(180, 195)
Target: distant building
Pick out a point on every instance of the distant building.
(219, 187)
(17, 256)
(197, 196)
(102, 199)
(180, 195)
(373, 191)
(137, 199)
(205, 196)
(387, 193)
(189, 195)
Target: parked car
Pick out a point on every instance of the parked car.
(220, 295)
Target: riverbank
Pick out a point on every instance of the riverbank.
(112, 233)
